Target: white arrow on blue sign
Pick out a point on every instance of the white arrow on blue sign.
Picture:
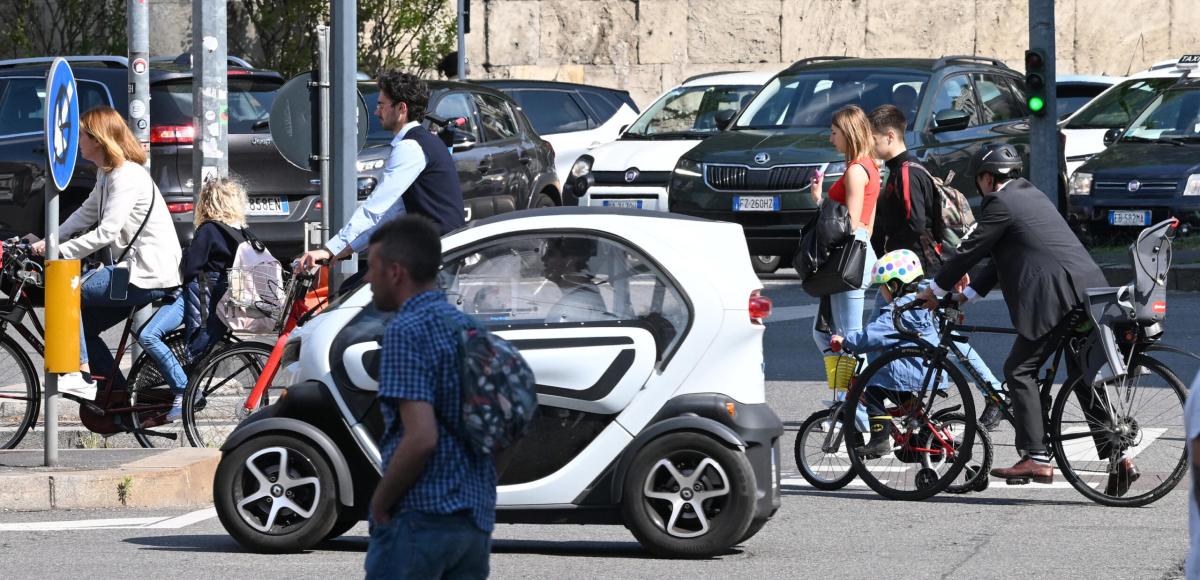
(62, 122)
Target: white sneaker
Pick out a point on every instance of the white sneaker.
(75, 384)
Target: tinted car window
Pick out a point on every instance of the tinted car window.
(249, 102)
(458, 105)
(1117, 107)
(996, 99)
(688, 110)
(21, 108)
(552, 111)
(955, 93)
(1071, 97)
(1173, 115)
(495, 120)
(809, 99)
(602, 105)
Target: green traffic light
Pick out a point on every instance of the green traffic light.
(1036, 104)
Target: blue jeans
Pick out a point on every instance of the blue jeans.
(185, 309)
(847, 311)
(420, 545)
(168, 318)
(99, 313)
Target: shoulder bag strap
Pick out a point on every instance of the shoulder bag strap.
(145, 220)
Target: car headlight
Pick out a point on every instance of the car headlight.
(582, 167)
(1193, 185)
(688, 167)
(1081, 184)
(835, 168)
(369, 165)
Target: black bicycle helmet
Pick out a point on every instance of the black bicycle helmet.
(1002, 160)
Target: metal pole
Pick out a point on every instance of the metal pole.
(139, 104)
(1043, 130)
(462, 41)
(343, 151)
(210, 152)
(50, 413)
(323, 84)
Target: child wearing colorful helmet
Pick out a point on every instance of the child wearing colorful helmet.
(898, 275)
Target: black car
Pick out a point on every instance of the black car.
(281, 196)
(503, 165)
(1150, 170)
(757, 172)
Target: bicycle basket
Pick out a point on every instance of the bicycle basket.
(839, 369)
(256, 300)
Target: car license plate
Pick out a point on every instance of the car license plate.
(268, 205)
(1118, 217)
(626, 203)
(756, 203)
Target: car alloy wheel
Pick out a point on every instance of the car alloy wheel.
(689, 491)
(281, 491)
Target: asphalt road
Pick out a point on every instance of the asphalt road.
(1020, 531)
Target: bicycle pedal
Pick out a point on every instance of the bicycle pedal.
(1018, 480)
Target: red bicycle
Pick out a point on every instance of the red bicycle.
(233, 382)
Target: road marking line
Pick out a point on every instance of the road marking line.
(157, 522)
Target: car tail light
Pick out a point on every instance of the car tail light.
(172, 134)
(318, 205)
(760, 307)
(180, 207)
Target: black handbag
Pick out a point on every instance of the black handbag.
(841, 272)
(827, 230)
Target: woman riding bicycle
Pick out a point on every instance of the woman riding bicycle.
(220, 209)
(126, 215)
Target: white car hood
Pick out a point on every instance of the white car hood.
(646, 155)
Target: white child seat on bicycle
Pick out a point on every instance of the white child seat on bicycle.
(255, 299)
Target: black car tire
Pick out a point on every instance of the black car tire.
(344, 524)
(231, 486)
(766, 264)
(728, 516)
(543, 200)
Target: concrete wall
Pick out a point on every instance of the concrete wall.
(648, 46)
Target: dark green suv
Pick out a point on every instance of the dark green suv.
(757, 172)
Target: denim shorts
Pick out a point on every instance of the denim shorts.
(422, 545)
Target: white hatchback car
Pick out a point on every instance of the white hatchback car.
(633, 171)
(1115, 108)
(652, 404)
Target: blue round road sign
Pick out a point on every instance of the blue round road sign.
(62, 122)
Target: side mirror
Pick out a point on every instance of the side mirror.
(950, 120)
(460, 140)
(724, 118)
(1111, 135)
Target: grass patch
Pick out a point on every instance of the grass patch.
(125, 490)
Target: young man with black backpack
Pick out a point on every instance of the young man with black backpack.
(909, 216)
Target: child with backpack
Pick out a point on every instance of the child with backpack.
(220, 218)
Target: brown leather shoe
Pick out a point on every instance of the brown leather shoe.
(1026, 468)
(1120, 481)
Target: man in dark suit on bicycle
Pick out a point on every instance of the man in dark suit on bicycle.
(1044, 272)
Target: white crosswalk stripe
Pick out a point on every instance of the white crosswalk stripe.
(157, 522)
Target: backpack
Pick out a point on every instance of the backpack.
(254, 301)
(498, 390)
(953, 221)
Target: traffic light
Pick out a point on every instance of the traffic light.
(1035, 82)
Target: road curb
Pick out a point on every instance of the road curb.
(174, 478)
(1181, 278)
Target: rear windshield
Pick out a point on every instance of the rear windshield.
(1117, 107)
(249, 102)
(810, 99)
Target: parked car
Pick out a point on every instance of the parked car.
(574, 118)
(634, 170)
(1113, 109)
(280, 194)
(1074, 91)
(503, 165)
(633, 406)
(757, 172)
(1150, 170)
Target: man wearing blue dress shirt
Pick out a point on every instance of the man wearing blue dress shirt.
(420, 177)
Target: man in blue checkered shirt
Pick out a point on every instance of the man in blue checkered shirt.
(433, 512)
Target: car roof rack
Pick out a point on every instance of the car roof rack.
(105, 61)
(816, 59)
(959, 58)
(710, 74)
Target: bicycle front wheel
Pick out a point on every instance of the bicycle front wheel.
(823, 470)
(1121, 442)
(20, 393)
(928, 451)
(215, 401)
